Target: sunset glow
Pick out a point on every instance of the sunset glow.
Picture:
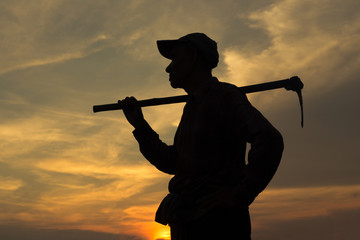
(67, 172)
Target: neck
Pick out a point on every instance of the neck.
(196, 82)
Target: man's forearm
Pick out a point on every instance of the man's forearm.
(263, 160)
(162, 156)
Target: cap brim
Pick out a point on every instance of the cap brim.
(165, 47)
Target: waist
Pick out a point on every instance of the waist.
(198, 184)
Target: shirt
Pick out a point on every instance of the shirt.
(210, 145)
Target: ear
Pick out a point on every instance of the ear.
(194, 55)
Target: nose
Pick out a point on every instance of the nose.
(168, 68)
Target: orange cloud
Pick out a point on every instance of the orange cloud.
(10, 184)
(295, 203)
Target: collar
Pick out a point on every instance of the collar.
(204, 88)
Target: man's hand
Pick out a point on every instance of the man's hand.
(132, 112)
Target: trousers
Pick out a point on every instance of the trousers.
(221, 223)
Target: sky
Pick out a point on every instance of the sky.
(67, 173)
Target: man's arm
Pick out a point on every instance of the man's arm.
(265, 153)
(266, 145)
(263, 158)
(162, 156)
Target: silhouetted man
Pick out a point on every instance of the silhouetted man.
(212, 185)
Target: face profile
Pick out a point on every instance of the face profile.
(182, 63)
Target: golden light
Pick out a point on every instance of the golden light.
(163, 233)
(156, 231)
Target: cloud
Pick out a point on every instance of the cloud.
(56, 162)
(19, 232)
(38, 34)
(339, 225)
(296, 203)
(10, 184)
(322, 153)
(320, 213)
(308, 39)
(91, 47)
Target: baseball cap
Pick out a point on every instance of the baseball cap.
(206, 46)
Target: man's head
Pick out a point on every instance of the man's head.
(206, 47)
(189, 54)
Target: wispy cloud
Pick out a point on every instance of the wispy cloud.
(302, 43)
(302, 203)
(10, 183)
(89, 48)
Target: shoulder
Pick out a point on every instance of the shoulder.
(229, 93)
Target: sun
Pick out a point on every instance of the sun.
(155, 231)
(162, 233)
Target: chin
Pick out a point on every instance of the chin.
(175, 84)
